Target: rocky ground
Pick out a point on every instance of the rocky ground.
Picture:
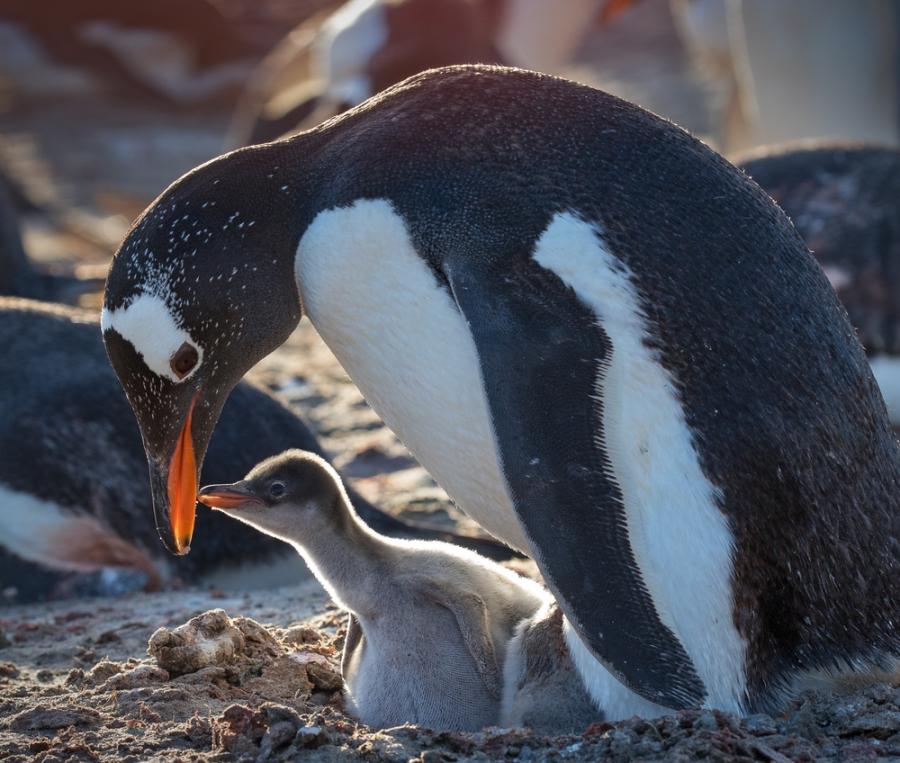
(255, 677)
(76, 679)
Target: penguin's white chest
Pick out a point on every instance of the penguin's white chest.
(400, 337)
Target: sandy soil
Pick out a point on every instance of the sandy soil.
(76, 681)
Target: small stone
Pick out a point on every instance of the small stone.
(275, 713)
(85, 654)
(135, 678)
(760, 725)
(8, 670)
(323, 677)
(278, 735)
(881, 725)
(102, 671)
(44, 675)
(53, 718)
(706, 721)
(258, 639)
(301, 634)
(310, 736)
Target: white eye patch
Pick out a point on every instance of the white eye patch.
(153, 332)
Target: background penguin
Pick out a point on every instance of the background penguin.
(793, 71)
(507, 265)
(844, 199)
(429, 623)
(18, 275)
(174, 51)
(73, 476)
(336, 60)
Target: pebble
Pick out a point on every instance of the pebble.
(760, 725)
(706, 721)
(881, 725)
(310, 736)
(301, 634)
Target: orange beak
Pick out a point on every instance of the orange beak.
(182, 487)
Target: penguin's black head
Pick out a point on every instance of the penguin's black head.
(287, 496)
(201, 289)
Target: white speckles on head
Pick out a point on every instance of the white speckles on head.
(680, 538)
(148, 324)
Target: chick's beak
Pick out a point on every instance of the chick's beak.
(232, 496)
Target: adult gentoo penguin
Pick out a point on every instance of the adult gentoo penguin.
(606, 344)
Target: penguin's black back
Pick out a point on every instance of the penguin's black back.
(785, 415)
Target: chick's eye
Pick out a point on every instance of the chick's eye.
(184, 360)
(277, 489)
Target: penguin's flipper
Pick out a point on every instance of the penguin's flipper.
(543, 357)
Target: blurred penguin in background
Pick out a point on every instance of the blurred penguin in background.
(783, 71)
(335, 61)
(175, 52)
(844, 199)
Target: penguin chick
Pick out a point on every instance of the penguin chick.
(429, 622)
(541, 685)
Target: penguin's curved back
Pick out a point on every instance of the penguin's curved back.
(785, 417)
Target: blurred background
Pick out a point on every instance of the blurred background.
(103, 104)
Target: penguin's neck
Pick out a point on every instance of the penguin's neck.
(349, 559)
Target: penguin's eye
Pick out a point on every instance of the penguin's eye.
(277, 489)
(184, 360)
